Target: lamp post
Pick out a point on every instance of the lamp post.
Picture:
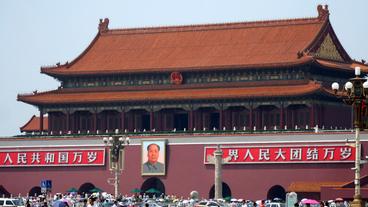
(218, 161)
(355, 94)
(218, 172)
(116, 144)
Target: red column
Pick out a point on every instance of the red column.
(152, 118)
(133, 121)
(221, 124)
(67, 122)
(73, 122)
(199, 122)
(257, 114)
(204, 116)
(94, 127)
(311, 116)
(262, 119)
(232, 119)
(282, 117)
(320, 116)
(286, 112)
(79, 128)
(163, 121)
(159, 121)
(107, 121)
(130, 121)
(50, 123)
(122, 121)
(41, 120)
(251, 118)
(190, 120)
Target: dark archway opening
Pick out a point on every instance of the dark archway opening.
(35, 191)
(181, 121)
(153, 183)
(146, 122)
(276, 191)
(226, 191)
(3, 192)
(85, 188)
(214, 120)
(83, 121)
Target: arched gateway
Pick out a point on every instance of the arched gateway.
(226, 191)
(35, 191)
(153, 183)
(86, 188)
(276, 191)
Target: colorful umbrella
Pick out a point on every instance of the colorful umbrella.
(96, 190)
(135, 190)
(152, 190)
(71, 190)
(309, 201)
(339, 199)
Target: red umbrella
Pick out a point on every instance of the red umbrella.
(339, 200)
(310, 201)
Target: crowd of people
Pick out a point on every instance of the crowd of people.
(151, 200)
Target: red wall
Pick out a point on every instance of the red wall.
(185, 172)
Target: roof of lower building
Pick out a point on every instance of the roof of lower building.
(33, 125)
(311, 187)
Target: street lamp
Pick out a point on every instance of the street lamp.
(355, 94)
(116, 144)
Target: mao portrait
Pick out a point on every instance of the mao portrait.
(153, 157)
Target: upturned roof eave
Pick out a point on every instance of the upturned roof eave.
(48, 70)
(305, 89)
(346, 67)
(22, 128)
(63, 72)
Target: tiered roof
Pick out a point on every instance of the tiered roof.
(261, 44)
(197, 47)
(33, 125)
(175, 94)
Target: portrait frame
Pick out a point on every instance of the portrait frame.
(146, 168)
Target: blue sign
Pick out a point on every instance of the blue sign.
(46, 184)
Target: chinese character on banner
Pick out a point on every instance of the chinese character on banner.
(264, 154)
(280, 154)
(345, 153)
(233, 153)
(63, 157)
(296, 154)
(77, 157)
(312, 154)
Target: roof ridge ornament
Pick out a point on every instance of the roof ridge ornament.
(302, 53)
(323, 11)
(103, 26)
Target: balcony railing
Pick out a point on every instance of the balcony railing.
(213, 131)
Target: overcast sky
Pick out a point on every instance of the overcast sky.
(35, 33)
